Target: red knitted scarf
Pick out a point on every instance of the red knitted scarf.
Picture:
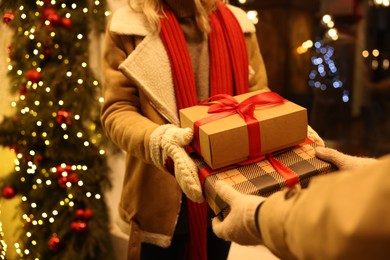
(228, 75)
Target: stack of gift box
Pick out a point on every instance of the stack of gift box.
(256, 142)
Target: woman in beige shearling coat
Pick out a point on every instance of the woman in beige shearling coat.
(138, 98)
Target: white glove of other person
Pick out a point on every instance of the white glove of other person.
(240, 225)
(341, 160)
(312, 135)
(169, 141)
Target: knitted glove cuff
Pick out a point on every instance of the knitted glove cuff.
(168, 141)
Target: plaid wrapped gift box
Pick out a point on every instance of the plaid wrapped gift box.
(261, 178)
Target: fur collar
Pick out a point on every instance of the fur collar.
(128, 22)
(150, 58)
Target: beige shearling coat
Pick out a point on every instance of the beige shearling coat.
(139, 96)
(345, 215)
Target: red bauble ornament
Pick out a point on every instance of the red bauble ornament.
(73, 178)
(49, 11)
(84, 214)
(60, 170)
(33, 75)
(67, 23)
(62, 181)
(8, 192)
(79, 226)
(88, 214)
(63, 117)
(8, 17)
(54, 19)
(54, 243)
(79, 214)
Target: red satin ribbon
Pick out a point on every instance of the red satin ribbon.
(228, 105)
(288, 175)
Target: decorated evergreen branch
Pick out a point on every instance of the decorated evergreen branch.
(325, 75)
(61, 169)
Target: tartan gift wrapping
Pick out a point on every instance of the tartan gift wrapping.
(261, 178)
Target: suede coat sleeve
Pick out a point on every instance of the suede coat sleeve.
(345, 215)
(121, 113)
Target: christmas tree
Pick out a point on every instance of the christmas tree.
(61, 170)
(325, 75)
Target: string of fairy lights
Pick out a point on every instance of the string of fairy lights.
(65, 175)
(325, 72)
(323, 58)
(324, 63)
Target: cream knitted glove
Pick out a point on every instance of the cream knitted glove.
(342, 161)
(170, 141)
(240, 224)
(312, 135)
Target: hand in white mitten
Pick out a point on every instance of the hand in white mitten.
(341, 160)
(240, 224)
(312, 135)
(169, 141)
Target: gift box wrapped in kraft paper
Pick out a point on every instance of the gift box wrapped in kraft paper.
(271, 174)
(229, 130)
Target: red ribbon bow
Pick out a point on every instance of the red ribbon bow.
(228, 105)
